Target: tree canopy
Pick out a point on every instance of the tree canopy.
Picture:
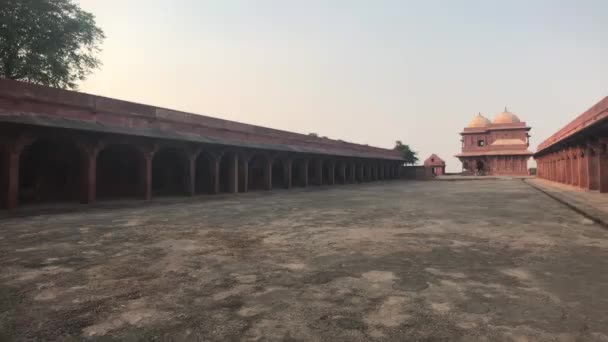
(409, 156)
(48, 42)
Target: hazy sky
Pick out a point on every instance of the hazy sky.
(370, 72)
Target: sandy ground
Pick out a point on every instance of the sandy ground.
(492, 260)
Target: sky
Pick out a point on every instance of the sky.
(370, 72)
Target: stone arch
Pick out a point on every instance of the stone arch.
(119, 172)
(170, 167)
(260, 172)
(50, 170)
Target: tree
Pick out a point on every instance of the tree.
(313, 135)
(48, 42)
(409, 156)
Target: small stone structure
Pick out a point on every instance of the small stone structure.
(58, 145)
(497, 147)
(435, 164)
(577, 154)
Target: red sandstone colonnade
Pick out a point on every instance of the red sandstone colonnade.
(582, 165)
(577, 154)
(41, 165)
(65, 146)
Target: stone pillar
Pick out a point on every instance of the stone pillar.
(89, 177)
(568, 169)
(318, 172)
(592, 168)
(603, 169)
(287, 174)
(268, 174)
(342, 172)
(574, 170)
(12, 174)
(304, 173)
(332, 173)
(351, 171)
(243, 173)
(233, 172)
(146, 170)
(584, 181)
(562, 168)
(191, 174)
(214, 173)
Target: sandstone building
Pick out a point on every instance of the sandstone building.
(436, 164)
(497, 147)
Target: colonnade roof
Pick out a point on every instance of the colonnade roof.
(585, 121)
(26, 103)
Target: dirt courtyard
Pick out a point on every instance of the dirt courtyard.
(396, 261)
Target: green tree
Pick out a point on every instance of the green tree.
(48, 42)
(409, 156)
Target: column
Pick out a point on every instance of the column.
(332, 173)
(233, 173)
(603, 169)
(12, 182)
(353, 170)
(561, 169)
(191, 174)
(268, 174)
(304, 173)
(342, 172)
(89, 177)
(568, 170)
(318, 172)
(243, 173)
(584, 182)
(287, 166)
(592, 168)
(214, 173)
(574, 170)
(146, 170)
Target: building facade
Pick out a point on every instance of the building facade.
(577, 154)
(58, 145)
(435, 164)
(497, 147)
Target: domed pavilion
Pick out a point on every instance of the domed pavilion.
(497, 147)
